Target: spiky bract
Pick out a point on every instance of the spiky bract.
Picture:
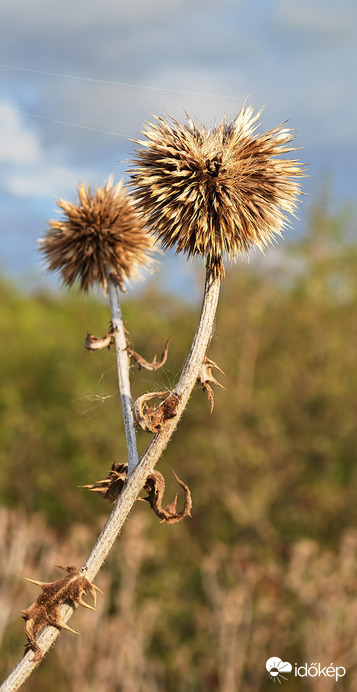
(101, 236)
(215, 192)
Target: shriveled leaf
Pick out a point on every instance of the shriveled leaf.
(155, 487)
(206, 379)
(97, 343)
(152, 419)
(154, 365)
(111, 487)
(46, 609)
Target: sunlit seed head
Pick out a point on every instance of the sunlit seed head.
(101, 236)
(215, 192)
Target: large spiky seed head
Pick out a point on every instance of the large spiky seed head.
(100, 237)
(215, 192)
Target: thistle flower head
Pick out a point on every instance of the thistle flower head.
(215, 192)
(100, 237)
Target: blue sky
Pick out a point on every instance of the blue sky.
(298, 59)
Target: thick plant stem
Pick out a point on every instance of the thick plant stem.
(123, 375)
(136, 480)
(200, 340)
(153, 452)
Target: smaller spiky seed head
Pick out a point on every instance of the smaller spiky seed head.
(215, 192)
(101, 236)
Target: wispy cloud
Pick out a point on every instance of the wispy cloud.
(18, 143)
(30, 172)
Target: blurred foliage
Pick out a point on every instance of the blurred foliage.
(272, 474)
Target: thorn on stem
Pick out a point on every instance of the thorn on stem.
(205, 378)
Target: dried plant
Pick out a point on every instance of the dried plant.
(215, 192)
(99, 237)
(155, 487)
(153, 419)
(97, 343)
(46, 608)
(206, 379)
(211, 193)
(154, 365)
(309, 596)
(111, 487)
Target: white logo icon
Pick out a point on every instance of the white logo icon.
(276, 667)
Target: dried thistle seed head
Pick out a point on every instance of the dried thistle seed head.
(215, 192)
(101, 236)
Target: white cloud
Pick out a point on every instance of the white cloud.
(45, 180)
(18, 144)
(33, 170)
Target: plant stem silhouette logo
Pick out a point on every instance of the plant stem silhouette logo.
(276, 667)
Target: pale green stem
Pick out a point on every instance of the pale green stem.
(123, 375)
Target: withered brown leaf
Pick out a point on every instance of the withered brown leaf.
(111, 487)
(97, 343)
(205, 378)
(152, 419)
(155, 487)
(46, 609)
(142, 363)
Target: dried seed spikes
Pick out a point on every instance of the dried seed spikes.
(100, 237)
(46, 609)
(215, 192)
(206, 378)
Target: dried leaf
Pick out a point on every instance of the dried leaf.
(155, 487)
(142, 363)
(97, 343)
(141, 412)
(111, 487)
(152, 419)
(206, 378)
(46, 609)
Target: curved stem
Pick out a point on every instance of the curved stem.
(158, 444)
(136, 480)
